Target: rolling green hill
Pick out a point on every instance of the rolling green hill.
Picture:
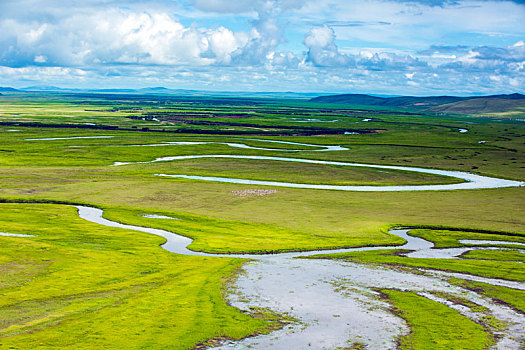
(481, 105)
(498, 104)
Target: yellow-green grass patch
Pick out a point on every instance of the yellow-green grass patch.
(80, 285)
(436, 326)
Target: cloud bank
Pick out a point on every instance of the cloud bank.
(377, 46)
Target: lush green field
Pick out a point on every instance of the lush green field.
(435, 326)
(274, 170)
(450, 239)
(495, 255)
(75, 283)
(80, 285)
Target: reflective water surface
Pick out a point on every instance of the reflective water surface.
(335, 303)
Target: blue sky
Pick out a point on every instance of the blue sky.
(424, 47)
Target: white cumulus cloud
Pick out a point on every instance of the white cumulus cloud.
(322, 50)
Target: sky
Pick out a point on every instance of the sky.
(389, 47)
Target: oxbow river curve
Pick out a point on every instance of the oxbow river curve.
(472, 181)
(335, 303)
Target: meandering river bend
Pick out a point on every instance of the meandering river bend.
(335, 302)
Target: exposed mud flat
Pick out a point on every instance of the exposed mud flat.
(336, 303)
(480, 241)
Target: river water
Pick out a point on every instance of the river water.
(472, 181)
(336, 303)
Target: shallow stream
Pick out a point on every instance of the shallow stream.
(335, 303)
(472, 181)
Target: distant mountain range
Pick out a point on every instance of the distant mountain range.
(475, 105)
(439, 104)
(7, 89)
(165, 91)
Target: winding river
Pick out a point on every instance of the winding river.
(243, 145)
(472, 181)
(314, 148)
(336, 301)
(71, 138)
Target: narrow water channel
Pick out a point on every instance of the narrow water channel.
(335, 303)
(472, 181)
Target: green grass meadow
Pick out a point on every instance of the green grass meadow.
(435, 326)
(79, 285)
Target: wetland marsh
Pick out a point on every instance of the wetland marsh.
(244, 282)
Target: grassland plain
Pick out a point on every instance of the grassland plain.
(83, 286)
(496, 255)
(75, 283)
